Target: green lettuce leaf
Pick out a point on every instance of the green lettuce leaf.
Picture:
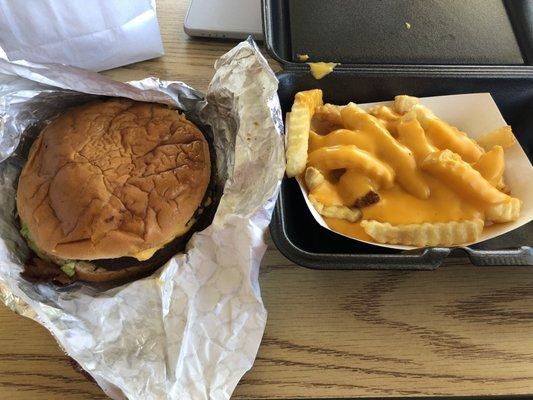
(69, 268)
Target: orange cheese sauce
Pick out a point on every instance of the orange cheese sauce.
(398, 207)
(328, 194)
(445, 136)
(368, 158)
(321, 69)
(351, 229)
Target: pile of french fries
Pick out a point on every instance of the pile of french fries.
(468, 166)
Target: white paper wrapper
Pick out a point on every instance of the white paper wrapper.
(476, 114)
(71, 32)
(192, 329)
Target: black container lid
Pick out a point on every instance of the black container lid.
(401, 32)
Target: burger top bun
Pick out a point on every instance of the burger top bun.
(113, 178)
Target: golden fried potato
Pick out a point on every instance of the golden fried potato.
(444, 136)
(450, 168)
(340, 137)
(311, 98)
(412, 136)
(504, 212)
(404, 103)
(389, 149)
(491, 166)
(329, 112)
(421, 113)
(340, 212)
(313, 178)
(355, 185)
(297, 139)
(353, 108)
(387, 116)
(350, 157)
(427, 234)
(298, 126)
(384, 112)
(502, 136)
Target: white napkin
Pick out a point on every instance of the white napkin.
(91, 34)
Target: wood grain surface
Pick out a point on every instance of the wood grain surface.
(459, 330)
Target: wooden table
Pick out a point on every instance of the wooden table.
(459, 330)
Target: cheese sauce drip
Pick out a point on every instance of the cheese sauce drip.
(321, 69)
(367, 158)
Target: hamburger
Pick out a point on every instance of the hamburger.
(111, 190)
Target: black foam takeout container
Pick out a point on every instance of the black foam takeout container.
(390, 47)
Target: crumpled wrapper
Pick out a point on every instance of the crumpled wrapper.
(192, 329)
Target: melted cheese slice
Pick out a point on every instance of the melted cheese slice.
(149, 253)
(145, 254)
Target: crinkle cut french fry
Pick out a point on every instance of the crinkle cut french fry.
(444, 136)
(394, 153)
(313, 178)
(458, 174)
(340, 212)
(504, 212)
(412, 136)
(329, 112)
(491, 166)
(387, 116)
(426, 234)
(311, 98)
(502, 136)
(353, 108)
(340, 137)
(350, 157)
(384, 112)
(421, 113)
(404, 103)
(298, 126)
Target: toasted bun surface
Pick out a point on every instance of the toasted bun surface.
(113, 178)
